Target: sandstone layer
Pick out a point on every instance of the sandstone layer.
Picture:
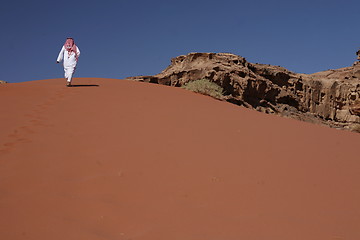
(330, 97)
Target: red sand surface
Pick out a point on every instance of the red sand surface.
(128, 160)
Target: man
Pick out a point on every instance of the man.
(69, 54)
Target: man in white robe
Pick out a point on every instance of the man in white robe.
(69, 54)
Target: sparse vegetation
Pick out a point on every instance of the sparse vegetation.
(206, 87)
(355, 128)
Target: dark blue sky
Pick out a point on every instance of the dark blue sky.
(122, 38)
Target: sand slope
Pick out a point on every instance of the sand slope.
(128, 160)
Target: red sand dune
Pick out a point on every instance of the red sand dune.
(128, 160)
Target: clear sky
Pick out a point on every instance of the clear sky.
(122, 38)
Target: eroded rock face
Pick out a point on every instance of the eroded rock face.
(355, 108)
(1, 82)
(328, 97)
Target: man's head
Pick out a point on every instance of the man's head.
(69, 43)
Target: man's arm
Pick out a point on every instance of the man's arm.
(61, 55)
(77, 51)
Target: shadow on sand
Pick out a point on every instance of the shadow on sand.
(84, 85)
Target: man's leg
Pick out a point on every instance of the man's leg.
(69, 79)
(68, 75)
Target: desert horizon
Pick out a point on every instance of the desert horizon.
(181, 120)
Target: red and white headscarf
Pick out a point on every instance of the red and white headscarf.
(71, 47)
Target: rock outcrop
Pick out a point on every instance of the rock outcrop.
(1, 82)
(330, 97)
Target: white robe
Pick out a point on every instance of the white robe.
(69, 62)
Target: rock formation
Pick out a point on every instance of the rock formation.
(358, 54)
(331, 97)
(1, 81)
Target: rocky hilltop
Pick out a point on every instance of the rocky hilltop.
(331, 97)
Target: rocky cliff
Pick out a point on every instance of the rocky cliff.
(331, 97)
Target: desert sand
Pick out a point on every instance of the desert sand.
(116, 159)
